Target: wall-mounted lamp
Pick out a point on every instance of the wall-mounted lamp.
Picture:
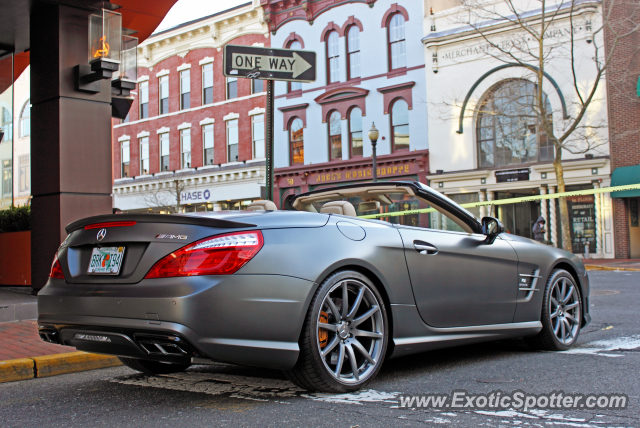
(105, 46)
(126, 78)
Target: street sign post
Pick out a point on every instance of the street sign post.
(255, 62)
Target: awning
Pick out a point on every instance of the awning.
(624, 176)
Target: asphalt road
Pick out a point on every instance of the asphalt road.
(607, 360)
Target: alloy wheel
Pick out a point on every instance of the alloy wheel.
(349, 332)
(564, 310)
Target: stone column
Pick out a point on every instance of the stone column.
(217, 207)
(483, 209)
(490, 211)
(598, 219)
(543, 212)
(552, 217)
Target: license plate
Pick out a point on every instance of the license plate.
(106, 260)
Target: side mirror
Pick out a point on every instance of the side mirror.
(491, 227)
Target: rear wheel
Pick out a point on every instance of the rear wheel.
(153, 367)
(561, 314)
(344, 337)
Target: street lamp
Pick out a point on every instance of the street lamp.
(373, 136)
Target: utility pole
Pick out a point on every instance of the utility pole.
(269, 138)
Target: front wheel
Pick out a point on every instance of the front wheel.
(561, 314)
(153, 367)
(344, 337)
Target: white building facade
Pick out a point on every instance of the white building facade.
(370, 69)
(474, 155)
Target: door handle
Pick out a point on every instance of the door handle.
(425, 249)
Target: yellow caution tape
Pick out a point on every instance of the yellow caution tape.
(513, 200)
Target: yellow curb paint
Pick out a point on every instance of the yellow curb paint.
(13, 370)
(513, 200)
(51, 365)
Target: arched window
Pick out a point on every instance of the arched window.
(355, 132)
(25, 120)
(333, 57)
(296, 141)
(400, 125)
(397, 50)
(508, 128)
(295, 86)
(335, 136)
(7, 125)
(353, 50)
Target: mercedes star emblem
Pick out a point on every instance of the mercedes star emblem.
(102, 234)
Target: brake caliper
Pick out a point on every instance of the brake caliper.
(323, 335)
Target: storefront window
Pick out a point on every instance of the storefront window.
(508, 131)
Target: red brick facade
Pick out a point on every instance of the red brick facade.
(623, 107)
(193, 115)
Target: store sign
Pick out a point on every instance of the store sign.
(195, 196)
(582, 215)
(513, 175)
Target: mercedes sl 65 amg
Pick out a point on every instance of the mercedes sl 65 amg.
(313, 289)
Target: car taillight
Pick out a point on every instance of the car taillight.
(56, 269)
(217, 255)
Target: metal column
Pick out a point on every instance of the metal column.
(269, 137)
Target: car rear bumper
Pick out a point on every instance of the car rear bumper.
(242, 319)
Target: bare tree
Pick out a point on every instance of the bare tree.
(523, 115)
(164, 195)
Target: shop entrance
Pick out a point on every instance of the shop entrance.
(634, 228)
(518, 219)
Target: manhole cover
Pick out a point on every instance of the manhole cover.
(495, 380)
(604, 292)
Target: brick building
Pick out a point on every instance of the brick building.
(193, 138)
(623, 87)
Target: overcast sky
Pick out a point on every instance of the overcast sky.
(188, 10)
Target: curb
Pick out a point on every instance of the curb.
(609, 268)
(52, 365)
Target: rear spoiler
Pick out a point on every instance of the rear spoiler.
(158, 218)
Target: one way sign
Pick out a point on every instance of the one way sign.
(267, 63)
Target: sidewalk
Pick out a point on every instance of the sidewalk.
(17, 305)
(612, 264)
(20, 340)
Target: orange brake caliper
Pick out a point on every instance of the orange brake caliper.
(323, 335)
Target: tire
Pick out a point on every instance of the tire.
(560, 322)
(153, 367)
(348, 353)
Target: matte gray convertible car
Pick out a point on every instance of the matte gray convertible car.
(312, 290)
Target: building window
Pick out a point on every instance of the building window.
(124, 159)
(353, 49)
(257, 86)
(7, 177)
(335, 136)
(164, 95)
(333, 57)
(207, 138)
(257, 131)
(25, 120)
(144, 155)
(397, 50)
(295, 86)
(232, 88)
(232, 140)
(25, 174)
(207, 84)
(508, 131)
(400, 125)
(185, 89)
(355, 132)
(185, 148)
(144, 99)
(164, 152)
(296, 140)
(7, 125)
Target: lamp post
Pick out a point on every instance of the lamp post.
(373, 136)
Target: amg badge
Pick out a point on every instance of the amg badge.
(183, 237)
